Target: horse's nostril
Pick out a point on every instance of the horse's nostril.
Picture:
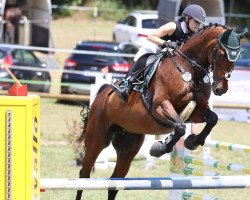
(218, 92)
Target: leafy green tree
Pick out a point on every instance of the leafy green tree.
(143, 4)
(63, 2)
(111, 9)
(62, 11)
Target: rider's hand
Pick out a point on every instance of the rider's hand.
(168, 44)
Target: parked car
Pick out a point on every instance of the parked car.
(83, 68)
(20, 59)
(243, 62)
(135, 27)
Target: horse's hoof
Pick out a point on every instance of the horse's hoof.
(191, 142)
(158, 149)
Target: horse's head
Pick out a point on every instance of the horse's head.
(222, 58)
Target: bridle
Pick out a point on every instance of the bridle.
(213, 66)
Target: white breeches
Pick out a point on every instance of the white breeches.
(148, 47)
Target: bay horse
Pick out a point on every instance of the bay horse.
(126, 123)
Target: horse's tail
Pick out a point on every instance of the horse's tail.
(85, 115)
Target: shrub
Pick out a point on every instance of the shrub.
(74, 132)
(111, 9)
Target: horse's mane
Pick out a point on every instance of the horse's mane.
(210, 25)
(202, 30)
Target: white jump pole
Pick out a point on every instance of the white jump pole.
(227, 146)
(167, 183)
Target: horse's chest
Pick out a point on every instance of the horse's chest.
(182, 91)
(186, 91)
(202, 91)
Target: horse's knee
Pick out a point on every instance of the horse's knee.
(180, 129)
(212, 118)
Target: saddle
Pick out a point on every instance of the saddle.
(141, 85)
(144, 75)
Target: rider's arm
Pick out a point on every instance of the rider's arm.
(167, 29)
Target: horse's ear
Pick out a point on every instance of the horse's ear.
(242, 35)
(224, 36)
(228, 32)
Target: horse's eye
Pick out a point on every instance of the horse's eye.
(221, 55)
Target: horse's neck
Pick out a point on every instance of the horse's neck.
(199, 47)
(197, 51)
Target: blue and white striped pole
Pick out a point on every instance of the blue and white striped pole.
(167, 183)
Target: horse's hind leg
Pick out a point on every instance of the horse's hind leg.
(96, 139)
(127, 146)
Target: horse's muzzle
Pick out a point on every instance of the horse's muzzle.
(219, 91)
(219, 87)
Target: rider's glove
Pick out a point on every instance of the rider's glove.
(167, 44)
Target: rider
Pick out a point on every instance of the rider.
(192, 16)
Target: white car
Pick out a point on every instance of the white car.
(136, 27)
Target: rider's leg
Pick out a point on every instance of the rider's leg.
(125, 87)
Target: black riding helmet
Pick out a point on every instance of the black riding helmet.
(196, 12)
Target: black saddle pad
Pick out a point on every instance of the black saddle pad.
(151, 64)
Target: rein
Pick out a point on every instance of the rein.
(192, 62)
(195, 64)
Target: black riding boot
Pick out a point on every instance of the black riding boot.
(123, 89)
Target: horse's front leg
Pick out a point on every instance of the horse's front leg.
(167, 114)
(193, 141)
